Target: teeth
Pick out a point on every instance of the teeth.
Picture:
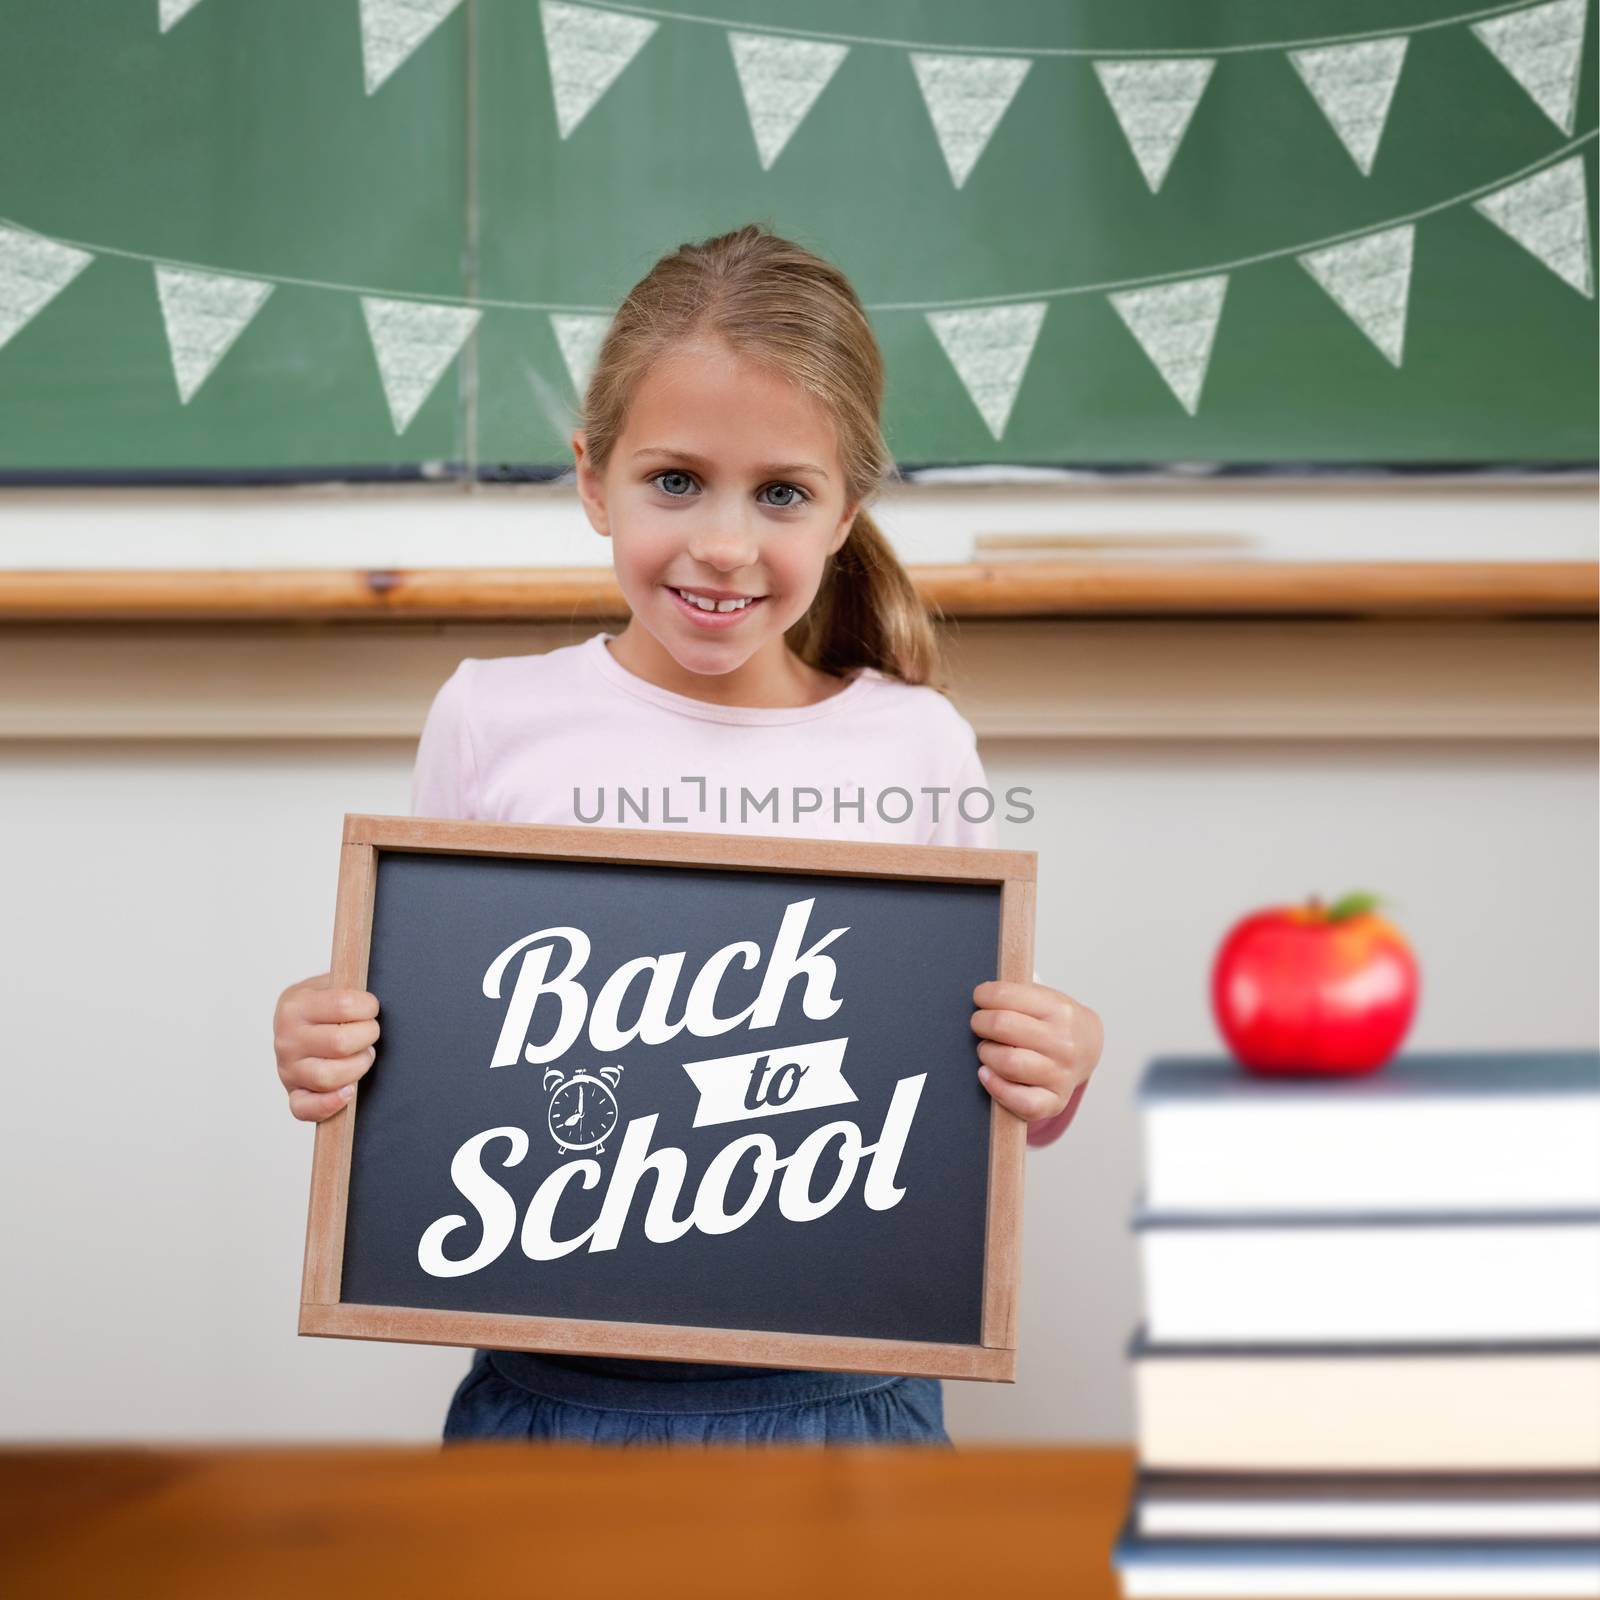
(712, 605)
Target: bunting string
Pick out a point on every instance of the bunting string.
(989, 343)
(1154, 96)
(1154, 93)
(1081, 52)
(1064, 291)
(1107, 285)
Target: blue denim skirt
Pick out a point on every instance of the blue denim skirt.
(514, 1394)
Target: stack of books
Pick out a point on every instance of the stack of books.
(1370, 1362)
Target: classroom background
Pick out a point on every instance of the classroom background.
(1243, 390)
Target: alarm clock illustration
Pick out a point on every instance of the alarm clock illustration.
(583, 1109)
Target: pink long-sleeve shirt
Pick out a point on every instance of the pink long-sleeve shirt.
(571, 736)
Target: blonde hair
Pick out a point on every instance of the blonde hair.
(772, 301)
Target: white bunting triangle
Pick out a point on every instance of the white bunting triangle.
(1548, 215)
(580, 338)
(587, 50)
(1543, 50)
(414, 342)
(966, 97)
(1154, 101)
(1369, 279)
(1354, 84)
(33, 271)
(204, 313)
(392, 29)
(1176, 323)
(781, 79)
(174, 11)
(989, 347)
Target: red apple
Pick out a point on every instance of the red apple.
(1314, 989)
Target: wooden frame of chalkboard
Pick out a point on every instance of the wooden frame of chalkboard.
(989, 1293)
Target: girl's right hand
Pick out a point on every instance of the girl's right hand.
(324, 1039)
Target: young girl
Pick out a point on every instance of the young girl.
(730, 443)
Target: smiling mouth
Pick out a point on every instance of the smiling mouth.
(716, 607)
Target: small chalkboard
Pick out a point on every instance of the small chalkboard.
(681, 1096)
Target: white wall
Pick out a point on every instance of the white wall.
(158, 895)
(1529, 518)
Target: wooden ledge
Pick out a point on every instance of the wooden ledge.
(1020, 588)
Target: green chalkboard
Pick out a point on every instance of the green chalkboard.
(1114, 233)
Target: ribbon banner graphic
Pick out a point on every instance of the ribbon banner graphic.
(763, 1083)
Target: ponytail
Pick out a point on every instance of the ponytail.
(867, 612)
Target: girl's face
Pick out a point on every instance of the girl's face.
(725, 483)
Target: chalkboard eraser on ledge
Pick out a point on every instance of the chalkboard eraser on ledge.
(1096, 547)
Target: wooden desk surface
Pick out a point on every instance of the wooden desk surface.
(501, 1519)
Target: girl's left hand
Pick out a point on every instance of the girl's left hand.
(1037, 1046)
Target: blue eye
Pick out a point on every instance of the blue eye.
(793, 489)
